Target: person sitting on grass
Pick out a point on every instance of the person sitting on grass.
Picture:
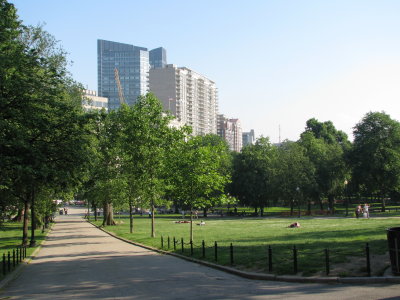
(294, 225)
(202, 223)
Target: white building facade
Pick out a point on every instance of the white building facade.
(189, 96)
(91, 101)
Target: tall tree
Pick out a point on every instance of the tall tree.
(198, 175)
(253, 174)
(43, 137)
(376, 154)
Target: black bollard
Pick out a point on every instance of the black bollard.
(4, 264)
(203, 245)
(231, 248)
(269, 259)
(174, 243)
(13, 258)
(182, 244)
(162, 242)
(327, 261)
(168, 243)
(216, 251)
(191, 248)
(9, 261)
(368, 260)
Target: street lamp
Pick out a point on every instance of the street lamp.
(298, 199)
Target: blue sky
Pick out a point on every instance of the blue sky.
(276, 63)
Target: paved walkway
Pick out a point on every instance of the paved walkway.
(78, 261)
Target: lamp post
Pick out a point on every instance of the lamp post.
(346, 196)
(298, 200)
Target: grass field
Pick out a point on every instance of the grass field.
(11, 237)
(345, 238)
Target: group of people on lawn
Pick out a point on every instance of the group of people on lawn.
(362, 211)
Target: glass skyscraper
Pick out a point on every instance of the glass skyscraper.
(133, 66)
(158, 58)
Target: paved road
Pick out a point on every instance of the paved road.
(78, 261)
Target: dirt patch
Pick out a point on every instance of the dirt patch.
(357, 266)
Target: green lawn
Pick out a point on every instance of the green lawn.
(344, 237)
(11, 237)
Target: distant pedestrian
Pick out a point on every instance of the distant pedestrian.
(183, 214)
(366, 210)
(358, 211)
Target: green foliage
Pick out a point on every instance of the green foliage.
(376, 154)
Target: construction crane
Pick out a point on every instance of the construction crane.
(120, 91)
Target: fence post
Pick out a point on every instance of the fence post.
(168, 243)
(162, 242)
(18, 261)
(191, 248)
(20, 254)
(368, 260)
(216, 251)
(9, 262)
(174, 244)
(327, 261)
(182, 244)
(4, 264)
(269, 259)
(203, 248)
(13, 258)
(295, 259)
(231, 254)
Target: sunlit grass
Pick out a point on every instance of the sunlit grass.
(251, 237)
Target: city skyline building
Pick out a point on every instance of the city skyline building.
(231, 131)
(158, 58)
(91, 101)
(189, 96)
(248, 138)
(132, 65)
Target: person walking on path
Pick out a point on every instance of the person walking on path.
(366, 210)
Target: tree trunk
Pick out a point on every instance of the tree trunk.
(204, 212)
(383, 204)
(108, 215)
(153, 232)
(95, 212)
(291, 207)
(331, 198)
(25, 226)
(191, 224)
(262, 211)
(105, 213)
(130, 217)
(32, 243)
(308, 208)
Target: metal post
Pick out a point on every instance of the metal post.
(174, 243)
(327, 261)
(168, 242)
(13, 258)
(203, 248)
(216, 251)
(368, 260)
(191, 247)
(9, 261)
(182, 244)
(269, 259)
(294, 259)
(162, 242)
(231, 254)
(4, 264)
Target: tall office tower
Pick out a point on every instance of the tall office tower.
(189, 96)
(132, 65)
(158, 58)
(231, 131)
(249, 138)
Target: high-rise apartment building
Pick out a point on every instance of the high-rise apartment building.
(189, 96)
(231, 131)
(133, 66)
(158, 58)
(249, 138)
